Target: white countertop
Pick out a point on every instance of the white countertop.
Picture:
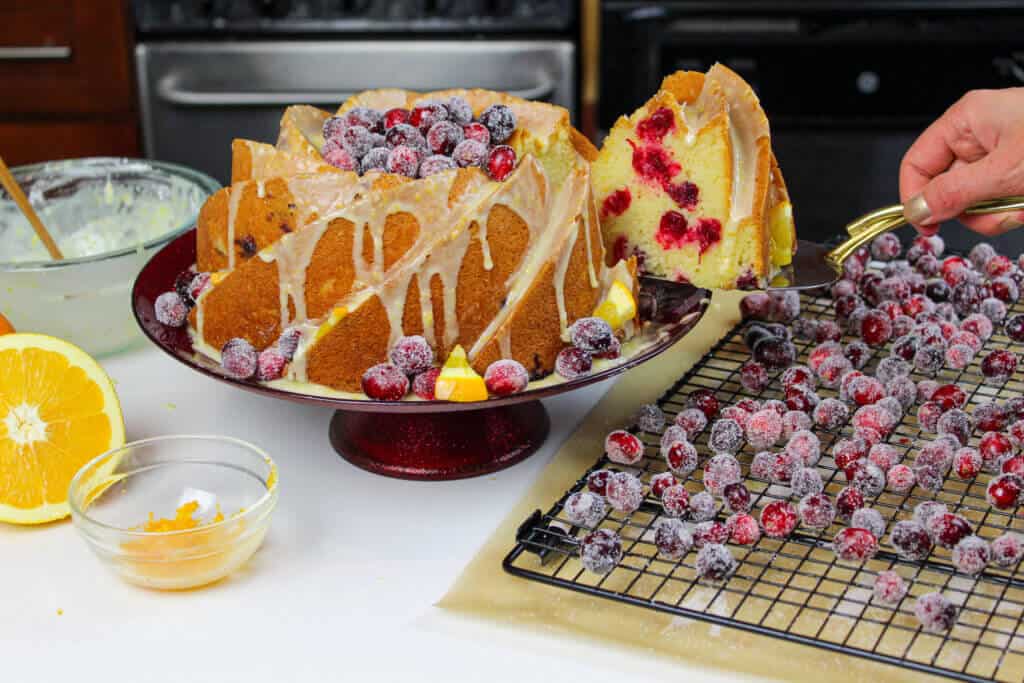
(345, 583)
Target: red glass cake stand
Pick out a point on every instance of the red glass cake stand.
(428, 440)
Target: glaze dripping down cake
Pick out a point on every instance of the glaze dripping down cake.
(382, 222)
(689, 184)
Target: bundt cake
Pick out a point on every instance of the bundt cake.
(464, 217)
(689, 184)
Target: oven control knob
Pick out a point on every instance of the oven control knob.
(867, 82)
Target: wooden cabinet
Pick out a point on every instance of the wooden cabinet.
(66, 79)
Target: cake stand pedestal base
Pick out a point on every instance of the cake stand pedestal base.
(443, 445)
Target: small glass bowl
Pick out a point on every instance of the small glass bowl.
(115, 494)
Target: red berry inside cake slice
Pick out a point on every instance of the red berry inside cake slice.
(690, 186)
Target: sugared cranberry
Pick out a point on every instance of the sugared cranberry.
(854, 544)
(1004, 491)
(889, 587)
(900, 478)
(947, 529)
(705, 401)
(470, 153)
(477, 131)
(601, 551)
(743, 529)
(500, 162)
(911, 540)
(500, 122)
(584, 508)
(708, 532)
(271, 363)
(393, 117)
(998, 366)
(660, 482)
(412, 355)
(385, 382)
(672, 538)
(623, 447)
(403, 160)
(624, 492)
(949, 396)
(967, 463)
(425, 115)
(1015, 328)
(848, 501)
(715, 562)
(675, 500)
(1014, 465)
(598, 481)
(423, 384)
(434, 164)
(971, 555)
(778, 519)
(239, 358)
(875, 328)
(1007, 550)
(935, 612)
(572, 362)
(816, 511)
(170, 309)
(443, 136)
(994, 449)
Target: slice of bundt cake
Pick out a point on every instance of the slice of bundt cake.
(688, 183)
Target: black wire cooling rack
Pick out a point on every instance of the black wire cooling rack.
(795, 588)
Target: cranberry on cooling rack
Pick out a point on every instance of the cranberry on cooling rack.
(737, 497)
(778, 519)
(1014, 465)
(889, 587)
(875, 328)
(672, 538)
(854, 544)
(1014, 328)
(800, 397)
(692, 421)
(743, 529)
(994, 448)
(753, 376)
(935, 612)
(1004, 491)
(1008, 549)
(848, 501)
(705, 400)
(971, 555)
(715, 562)
(676, 500)
(911, 540)
(598, 481)
(775, 353)
(660, 482)
(623, 447)
(999, 365)
(967, 463)
(681, 457)
(624, 492)
(601, 551)
(947, 529)
(708, 532)
(900, 478)
(816, 511)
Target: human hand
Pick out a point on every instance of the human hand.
(974, 151)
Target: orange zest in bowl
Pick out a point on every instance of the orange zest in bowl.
(184, 518)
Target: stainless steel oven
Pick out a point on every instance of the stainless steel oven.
(211, 71)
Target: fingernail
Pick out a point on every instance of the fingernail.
(916, 210)
(927, 230)
(1009, 223)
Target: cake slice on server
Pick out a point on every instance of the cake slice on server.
(689, 185)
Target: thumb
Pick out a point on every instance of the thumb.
(997, 174)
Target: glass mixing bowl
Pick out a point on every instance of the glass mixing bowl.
(175, 512)
(108, 215)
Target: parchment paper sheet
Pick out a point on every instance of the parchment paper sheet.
(485, 590)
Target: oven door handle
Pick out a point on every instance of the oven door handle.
(170, 91)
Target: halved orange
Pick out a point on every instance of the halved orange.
(58, 410)
(5, 325)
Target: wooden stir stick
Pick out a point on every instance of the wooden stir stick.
(13, 189)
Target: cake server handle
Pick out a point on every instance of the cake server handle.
(871, 225)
